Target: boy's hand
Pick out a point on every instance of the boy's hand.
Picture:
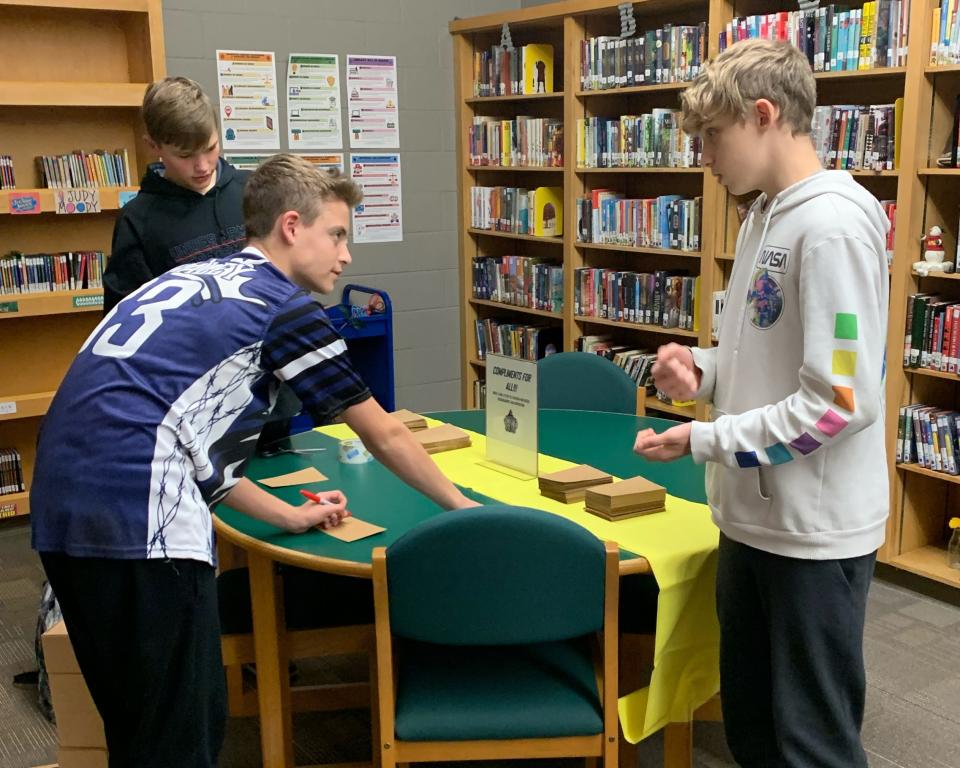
(675, 373)
(667, 446)
(328, 515)
(467, 502)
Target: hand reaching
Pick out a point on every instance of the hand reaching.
(675, 373)
(667, 446)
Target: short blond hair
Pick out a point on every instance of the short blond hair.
(177, 112)
(747, 71)
(287, 182)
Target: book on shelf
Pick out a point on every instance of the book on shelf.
(524, 281)
(719, 299)
(857, 137)
(928, 436)
(669, 54)
(651, 140)
(502, 71)
(668, 221)
(547, 210)
(537, 61)
(518, 210)
(665, 298)
(85, 169)
(11, 471)
(525, 141)
(43, 272)
(636, 363)
(524, 341)
(945, 34)
(7, 180)
(480, 393)
(932, 333)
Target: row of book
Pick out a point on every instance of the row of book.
(525, 141)
(522, 211)
(43, 272)
(667, 299)
(652, 140)
(670, 54)
(932, 334)
(950, 157)
(11, 471)
(668, 221)
(508, 71)
(528, 342)
(928, 436)
(479, 393)
(7, 180)
(945, 35)
(522, 281)
(637, 363)
(834, 38)
(858, 137)
(85, 169)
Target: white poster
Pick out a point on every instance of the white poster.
(313, 101)
(246, 162)
(511, 416)
(330, 162)
(372, 101)
(378, 218)
(249, 116)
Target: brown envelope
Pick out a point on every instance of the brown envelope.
(300, 477)
(352, 529)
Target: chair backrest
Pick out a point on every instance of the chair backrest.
(495, 575)
(581, 381)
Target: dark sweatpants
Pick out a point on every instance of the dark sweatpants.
(147, 638)
(792, 680)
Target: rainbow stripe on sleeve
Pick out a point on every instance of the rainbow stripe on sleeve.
(831, 423)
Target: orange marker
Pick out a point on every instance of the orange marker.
(318, 500)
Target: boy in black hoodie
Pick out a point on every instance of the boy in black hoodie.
(191, 209)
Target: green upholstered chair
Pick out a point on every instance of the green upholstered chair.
(580, 381)
(496, 639)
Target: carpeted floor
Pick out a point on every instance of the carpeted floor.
(913, 704)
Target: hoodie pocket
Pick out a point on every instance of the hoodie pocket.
(736, 494)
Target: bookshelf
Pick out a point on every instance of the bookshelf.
(74, 76)
(921, 499)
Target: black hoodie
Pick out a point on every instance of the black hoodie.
(166, 225)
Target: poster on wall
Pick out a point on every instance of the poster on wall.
(378, 218)
(372, 101)
(249, 117)
(313, 101)
(330, 162)
(246, 162)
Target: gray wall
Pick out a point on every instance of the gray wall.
(420, 274)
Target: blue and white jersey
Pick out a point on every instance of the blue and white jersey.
(160, 412)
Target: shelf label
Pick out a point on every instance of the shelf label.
(24, 203)
(8, 407)
(9, 307)
(126, 196)
(73, 201)
(8, 509)
(81, 302)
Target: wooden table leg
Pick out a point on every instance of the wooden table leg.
(678, 745)
(273, 678)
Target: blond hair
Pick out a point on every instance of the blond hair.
(177, 112)
(747, 71)
(289, 183)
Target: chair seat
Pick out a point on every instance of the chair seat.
(459, 693)
(312, 600)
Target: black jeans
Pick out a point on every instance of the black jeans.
(147, 638)
(792, 681)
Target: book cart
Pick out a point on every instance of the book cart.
(74, 77)
(922, 500)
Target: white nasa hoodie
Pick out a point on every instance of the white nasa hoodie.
(795, 455)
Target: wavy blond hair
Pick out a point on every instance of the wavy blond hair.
(749, 70)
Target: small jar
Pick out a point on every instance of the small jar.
(953, 548)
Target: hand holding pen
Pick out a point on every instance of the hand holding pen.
(334, 510)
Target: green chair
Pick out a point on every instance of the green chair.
(496, 634)
(580, 381)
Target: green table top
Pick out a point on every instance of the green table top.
(374, 494)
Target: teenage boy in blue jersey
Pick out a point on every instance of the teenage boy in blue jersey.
(154, 425)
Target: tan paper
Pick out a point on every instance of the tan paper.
(300, 477)
(626, 493)
(413, 421)
(443, 438)
(582, 475)
(352, 529)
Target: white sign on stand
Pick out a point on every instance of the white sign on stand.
(512, 416)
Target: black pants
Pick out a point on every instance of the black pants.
(147, 639)
(792, 679)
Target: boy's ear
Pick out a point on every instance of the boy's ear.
(767, 113)
(286, 227)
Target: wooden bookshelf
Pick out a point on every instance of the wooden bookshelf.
(925, 195)
(85, 97)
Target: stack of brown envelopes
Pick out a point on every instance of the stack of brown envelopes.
(627, 498)
(412, 421)
(569, 485)
(446, 437)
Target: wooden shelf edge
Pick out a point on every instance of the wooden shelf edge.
(50, 303)
(929, 562)
(109, 199)
(637, 326)
(938, 171)
(653, 403)
(856, 74)
(636, 249)
(930, 372)
(516, 308)
(514, 97)
(534, 168)
(937, 276)
(918, 470)
(652, 88)
(514, 236)
(942, 69)
(14, 505)
(128, 6)
(70, 94)
(25, 406)
(647, 169)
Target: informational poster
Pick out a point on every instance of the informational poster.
(511, 414)
(246, 162)
(378, 218)
(249, 115)
(332, 161)
(372, 102)
(313, 101)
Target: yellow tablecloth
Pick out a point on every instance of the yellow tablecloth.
(681, 547)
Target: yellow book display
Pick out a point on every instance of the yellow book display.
(548, 211)
(538, 68)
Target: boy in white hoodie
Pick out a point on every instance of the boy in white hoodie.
(795, 458)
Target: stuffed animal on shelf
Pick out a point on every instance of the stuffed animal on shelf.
(933, 254)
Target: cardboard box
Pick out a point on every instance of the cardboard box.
(79, 726)
(82, 758)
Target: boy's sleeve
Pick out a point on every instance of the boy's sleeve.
(843, 309)
(303, 348)
(705, 358)
(127, 268)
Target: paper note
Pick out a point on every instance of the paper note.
(352, 529)
(379, 218)
(300, 477)
(313, 101)
(248, 100)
